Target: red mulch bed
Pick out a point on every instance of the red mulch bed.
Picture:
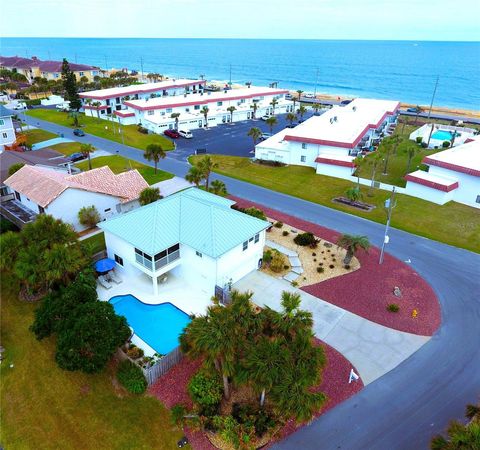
(172, 389)
(369, 290)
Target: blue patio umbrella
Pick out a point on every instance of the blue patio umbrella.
(104, 265)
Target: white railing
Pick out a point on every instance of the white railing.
(167, 259)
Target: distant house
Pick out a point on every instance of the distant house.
(194, 235)
(453, 174)
(44, 190)
(51, 70)
(7, 130)
(329, 143)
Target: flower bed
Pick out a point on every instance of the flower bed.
(369, 290)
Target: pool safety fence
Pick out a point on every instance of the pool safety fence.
(163, 365)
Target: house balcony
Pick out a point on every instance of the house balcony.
(17, 213)
(160, 263)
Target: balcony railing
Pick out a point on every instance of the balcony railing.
(167, 259)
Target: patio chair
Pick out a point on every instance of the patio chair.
(103, 282)
(163, 279)
(114, 277)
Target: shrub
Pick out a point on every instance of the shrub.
(33, 102)
(278, 224)
(320, 269)
(88, 216)
(252, 415)
(314, 254)
(131, 377)
(149, 195)
(285, 233)
(206, 391)
(304, 239)
(419, 139)
(135, 352)
(142, 130)
(347, 266)
(331, 266)
(278, 262)
(314, 259)
(6, 225)
(446, 144)
(14, 168)
(255, 212)
(178, 412)
(424, 145)
(393, 307)
(286, 267)
(267, 256)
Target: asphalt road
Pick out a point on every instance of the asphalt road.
(404, 408)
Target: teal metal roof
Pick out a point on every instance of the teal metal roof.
(193, 217)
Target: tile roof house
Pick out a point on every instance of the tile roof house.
(61, 194)
(194, 234)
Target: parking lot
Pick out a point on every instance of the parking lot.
(226, 139)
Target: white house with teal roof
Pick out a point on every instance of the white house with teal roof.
(192, 240)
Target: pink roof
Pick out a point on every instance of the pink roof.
(42, 185)
(334, 161)
(439, 185)
(44, 66)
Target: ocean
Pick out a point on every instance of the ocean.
(399, 70)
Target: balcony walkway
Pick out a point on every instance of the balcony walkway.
(17, 213)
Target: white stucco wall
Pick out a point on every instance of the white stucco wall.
(428, 193)
(7, 133)
(334, 171)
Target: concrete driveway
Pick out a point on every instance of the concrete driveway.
(373, 349)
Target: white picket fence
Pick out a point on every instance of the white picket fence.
(162, 366)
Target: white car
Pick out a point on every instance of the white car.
(185, 134)
(63, 106)
(265, 136)
(265, 117)
(309, 95)
(19, 105)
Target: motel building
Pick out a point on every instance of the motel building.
(110, 103)
(155, 114)
(329, 143)
(453, 174)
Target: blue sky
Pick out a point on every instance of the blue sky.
(288, 19)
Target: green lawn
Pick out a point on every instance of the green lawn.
(37, 135)
(96, 126)
(120, 164)
(44, 407)
(67, 148)
(97, 242)
(452, 223)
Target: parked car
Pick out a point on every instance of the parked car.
(413, 110)
(74, 157)
(171, 133)
(19, 106)
(63, 106)
(265, 117)
(308, 95)
(265, 136)
(291, 125)
(345, 102)
(185, 134)
(78, 132)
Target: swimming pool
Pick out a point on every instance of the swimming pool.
(158, 325)
(442, 135)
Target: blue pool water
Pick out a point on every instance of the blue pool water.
(158, 325)
(442, 135)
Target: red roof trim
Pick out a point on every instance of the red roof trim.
(450, 166)
(124, 114)
(141, 91)
(334, 162)
(339, 143)
(432, 184)
(205, 101)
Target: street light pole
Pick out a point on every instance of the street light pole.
(389, 204)
(430, 111)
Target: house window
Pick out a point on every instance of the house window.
(18, 196)
(245, 245)
(41, 210)
(167, 256)
(303, 158)
(55, 75)
(118, 260)
(478, 199)
(187, 109)
(304, 145)
(169, 110)
(198, 254)
(144, 259)
(4, 135)
(196, 107)
(107, 102)
(2, 122)
(108, 209)
(81, 74)
(219, 103)
(257, 237)
(150, 112)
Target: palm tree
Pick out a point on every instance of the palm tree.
(271, 122)
(274, 103)
(301, 111)
(149, 195)
(316, 107)
(460, 437)
(255, 134)
(194, 175)
(254, 108)
(231, 109)
(353, 194)
(352, 244)
(299, 92)
(419, 110)
(87, 149)
(291, 118)
(375, 158)
(206, 165)
(411, 152)
(97, 107)
(175, 116)
(205, 111)
(218, 188)
(154, 152)
(292, 321)
(358, 162)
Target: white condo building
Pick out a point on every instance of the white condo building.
(155, 114)
(7, 130)
(453, 174)
(330, 142)
(105, 102)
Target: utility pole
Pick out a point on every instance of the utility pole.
(230, 82)
(141, 66)
(389, 205)
(120, 130)
(430, 111)
(316, 81)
